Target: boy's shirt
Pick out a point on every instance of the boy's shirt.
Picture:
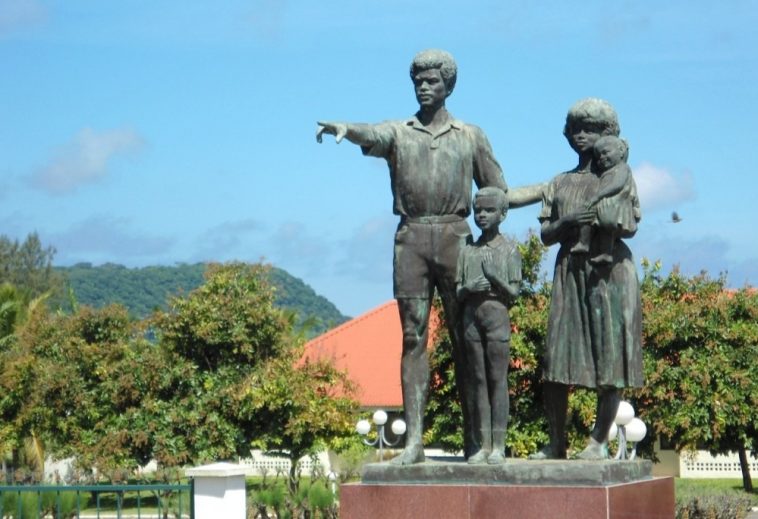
(506, 259)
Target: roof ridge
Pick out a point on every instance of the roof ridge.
(352, 322)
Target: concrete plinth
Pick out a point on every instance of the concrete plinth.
(219, 491)
(518, 490)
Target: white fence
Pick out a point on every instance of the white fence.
(702, 465)
(259, 463)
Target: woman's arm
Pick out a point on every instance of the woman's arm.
(526, 195)
(551, 232)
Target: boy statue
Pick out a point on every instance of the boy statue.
(432, 159)
(488, 280)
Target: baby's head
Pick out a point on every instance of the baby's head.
(609, 151)
(490, 207)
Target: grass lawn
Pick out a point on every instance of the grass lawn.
(701, 487)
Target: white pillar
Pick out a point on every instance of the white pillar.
(219, 491)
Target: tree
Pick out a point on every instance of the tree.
(14, 311)
(700, 348)
(247, 387)
(53, 376)
(28, 266)
(296, 409)
(203, 381)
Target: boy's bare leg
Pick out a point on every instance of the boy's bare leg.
(477, 379)
(498, 353)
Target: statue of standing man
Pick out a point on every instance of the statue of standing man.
(432, 159)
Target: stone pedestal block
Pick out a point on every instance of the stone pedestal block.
(531, 490)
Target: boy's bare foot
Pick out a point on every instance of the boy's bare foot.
(496, 458)
(478, 458)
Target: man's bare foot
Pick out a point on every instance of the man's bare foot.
(479, 458)
(410, 455)
(594, 451)
(496, 458)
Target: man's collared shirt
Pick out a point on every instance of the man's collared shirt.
(431, 173)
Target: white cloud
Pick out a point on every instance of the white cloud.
(86, 159)
(228, 240)
(106, 238)
(367, 254)
(17, 14)
(709, 253)
(267, 19)
(660, 189)
(292, 246)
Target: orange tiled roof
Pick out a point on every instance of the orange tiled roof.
(368, 348)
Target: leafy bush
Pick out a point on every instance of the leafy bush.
(274, 498)
(713, 507)
(63, 505)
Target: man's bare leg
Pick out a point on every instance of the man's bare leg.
(414, 370)
(453, 316)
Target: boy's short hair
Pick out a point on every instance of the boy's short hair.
(494, 192)
(596, 111)
(436, 59)
(616, 141)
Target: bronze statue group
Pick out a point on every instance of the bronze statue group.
(594, 327)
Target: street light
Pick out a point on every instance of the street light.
(630, 429)
(380, 419)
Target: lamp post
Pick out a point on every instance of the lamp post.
(380, 419)
(630, 430)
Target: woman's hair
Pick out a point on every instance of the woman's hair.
(437, 59)
(595, 111)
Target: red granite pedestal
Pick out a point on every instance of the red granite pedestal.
(647, 499)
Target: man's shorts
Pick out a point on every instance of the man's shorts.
(426, 255)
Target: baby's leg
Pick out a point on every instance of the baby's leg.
(585, 239)
(602, 247)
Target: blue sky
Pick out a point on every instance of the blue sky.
(143, 132)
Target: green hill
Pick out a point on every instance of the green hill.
(142, 290)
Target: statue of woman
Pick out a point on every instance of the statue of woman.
(594, 328)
